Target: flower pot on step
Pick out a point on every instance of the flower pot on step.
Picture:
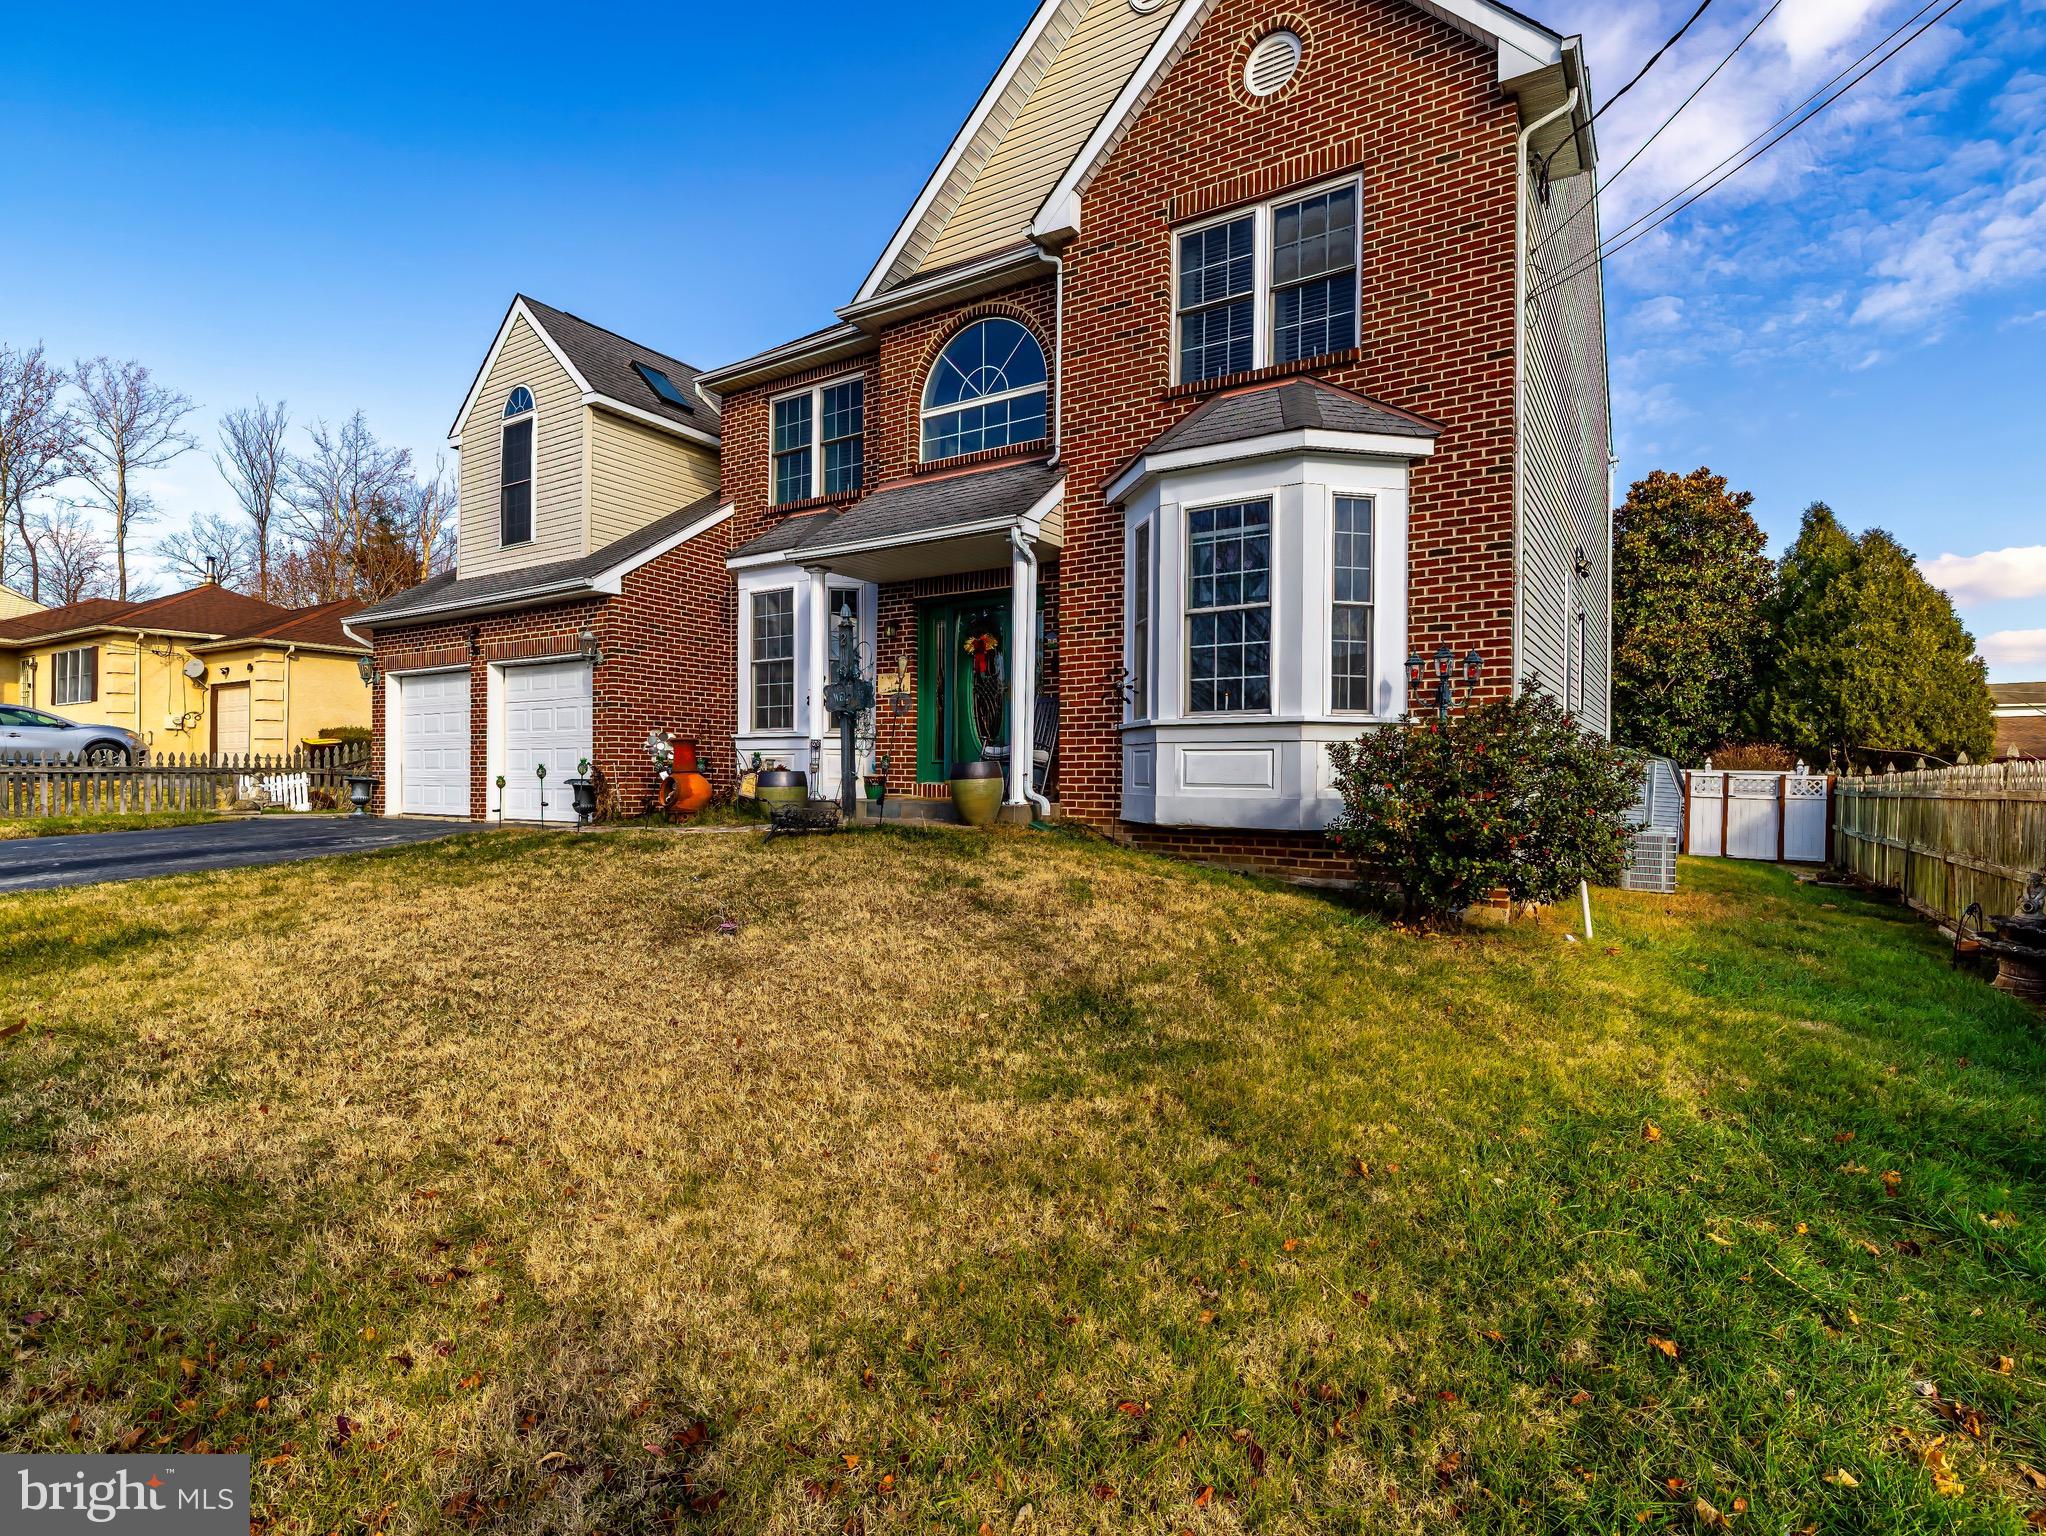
(977, 791)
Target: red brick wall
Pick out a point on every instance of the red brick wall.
(1412, 105)
(666, 644)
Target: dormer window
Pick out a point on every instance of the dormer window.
(515, 470)
(986, 390)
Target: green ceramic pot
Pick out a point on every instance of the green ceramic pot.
(977, 791)
(782, 786)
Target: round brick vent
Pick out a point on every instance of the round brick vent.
(1272, 63)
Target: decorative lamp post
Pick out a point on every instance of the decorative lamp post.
(540, 773)
(1445, 666)
(848, 696)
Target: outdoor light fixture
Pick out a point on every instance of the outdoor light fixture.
(1444, 664)
(366, 666)
(587, 647)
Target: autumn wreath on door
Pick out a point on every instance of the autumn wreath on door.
(984, 649)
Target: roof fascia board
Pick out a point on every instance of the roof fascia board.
(1370, 445)
(518, 309)
(845, 340)
(496, 602)
(960, 143)
(1030, 521)
(984, 275)
(611, 580)
(677, 428)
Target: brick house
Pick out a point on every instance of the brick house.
(586, 607)
(1233, 352)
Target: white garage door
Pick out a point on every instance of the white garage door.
(433, 739)
(546, 720)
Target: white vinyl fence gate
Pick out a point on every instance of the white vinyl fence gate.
(1780, 817)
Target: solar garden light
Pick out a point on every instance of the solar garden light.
(540, 773)
(500, 802)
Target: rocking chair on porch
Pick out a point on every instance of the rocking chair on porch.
(1044, 743)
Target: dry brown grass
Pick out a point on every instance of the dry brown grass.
(462, 1185)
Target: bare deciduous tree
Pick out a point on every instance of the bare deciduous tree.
(129, 423)
(38, 435)
(255, 465)
(77, 563)
(432, 509)
(343, 497)
(213, 548)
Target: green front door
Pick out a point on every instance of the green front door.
(962, 683)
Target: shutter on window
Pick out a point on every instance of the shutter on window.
(92, 675)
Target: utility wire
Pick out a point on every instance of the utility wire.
(1609, 248)
(1585, 206)
(1675, 37)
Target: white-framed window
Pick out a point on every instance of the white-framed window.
(986, 390)
(515, 469)
(820, 441)
(1272, 284)
(1229, 608)
(1141, 707)
(74, 676)
(1351, 683)
(774, 660)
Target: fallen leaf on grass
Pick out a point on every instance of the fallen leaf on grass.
(1667, 1346)
(1650, 1131)
(1709, 1517)
(1445, 1469)
(1892, 1182)
(1723, 1242)
(1204, 1497)
(1840, 1477)
(2005, 1365)
(1870, 1249)
(2033, 1476)
(1579, 1398)
(1841, 1138)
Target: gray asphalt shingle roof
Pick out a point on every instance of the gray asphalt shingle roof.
(446, 593)
(605, 359)
(913, 510)
(1289, 406)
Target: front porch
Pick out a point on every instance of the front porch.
(936, 578)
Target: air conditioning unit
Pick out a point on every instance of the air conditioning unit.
(1652, 863)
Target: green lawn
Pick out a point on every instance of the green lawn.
(489, 1185)
(16, 827)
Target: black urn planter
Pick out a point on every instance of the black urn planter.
(362, 788)
(779, 787)
(585, 791)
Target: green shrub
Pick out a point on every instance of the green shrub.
(1508, 796)
(1752, 757)
(351, 734)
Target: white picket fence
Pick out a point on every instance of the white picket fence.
(1778, 817)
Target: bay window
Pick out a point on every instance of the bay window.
(1274, 284)
(774, 660)
(1229, 608)
(1140, 623)
(1350, 605)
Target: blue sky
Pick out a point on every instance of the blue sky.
(265, 202)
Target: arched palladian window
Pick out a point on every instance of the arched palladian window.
(515, 470)
(986, 390)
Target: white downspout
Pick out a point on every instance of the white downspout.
(1520, 373)
(818, 661)
(1058, 352)
(1023, 689)
(1612, 491)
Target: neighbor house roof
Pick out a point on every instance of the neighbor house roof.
(212, 614)
(909, 510)
(2018, 695)
(553, 582)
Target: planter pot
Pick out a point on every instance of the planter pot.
(876, 789)
(585, 791)
(782, 786)
(684, 792)
(685, 755)
(977, 791)
(362, 789)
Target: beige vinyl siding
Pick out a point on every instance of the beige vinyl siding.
(640, 474)
(558, 529)
(1094, 46)
(13, 605)
(1564, 444)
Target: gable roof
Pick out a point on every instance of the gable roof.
(1076, 79)
(321, 626)
(57, 621)
(601, 364)
(2018, 695)
(552, 582)
(213, 614)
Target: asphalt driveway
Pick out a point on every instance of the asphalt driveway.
(37, 863)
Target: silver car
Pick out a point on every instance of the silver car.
(37, 730)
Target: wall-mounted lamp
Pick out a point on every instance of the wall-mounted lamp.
(1581, 563)
(588, 648)
(1444, 664)
(366, 669)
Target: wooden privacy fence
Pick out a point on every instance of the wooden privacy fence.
(1945, 837)
(57, 784)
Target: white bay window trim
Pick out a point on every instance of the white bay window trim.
(813, 593)
(1261, 769)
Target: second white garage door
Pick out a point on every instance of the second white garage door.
(546, 720)
(433, 740)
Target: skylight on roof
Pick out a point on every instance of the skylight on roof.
(663, 386)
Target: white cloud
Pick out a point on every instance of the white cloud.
(2015, 648)
(1810, 29)
(1996, 575)
(1661, 314)
(1982, 241)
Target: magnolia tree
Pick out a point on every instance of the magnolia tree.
(1508, 796)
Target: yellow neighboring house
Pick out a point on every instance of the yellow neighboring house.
(205, 670)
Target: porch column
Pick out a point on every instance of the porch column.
(818, 668)
(1021, 684)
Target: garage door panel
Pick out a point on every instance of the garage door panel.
(547, 720)
(434, 733)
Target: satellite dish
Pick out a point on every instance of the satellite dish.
(195, 669)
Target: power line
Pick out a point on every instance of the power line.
(1649, 220)
(1675, 37)
(1696, 90)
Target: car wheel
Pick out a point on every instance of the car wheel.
(104, 754)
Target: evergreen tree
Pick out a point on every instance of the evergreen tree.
(1870, 656)
(1690, 591)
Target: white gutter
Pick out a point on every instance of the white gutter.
(1023, 703)
(1520, 371)
(1058, 352)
